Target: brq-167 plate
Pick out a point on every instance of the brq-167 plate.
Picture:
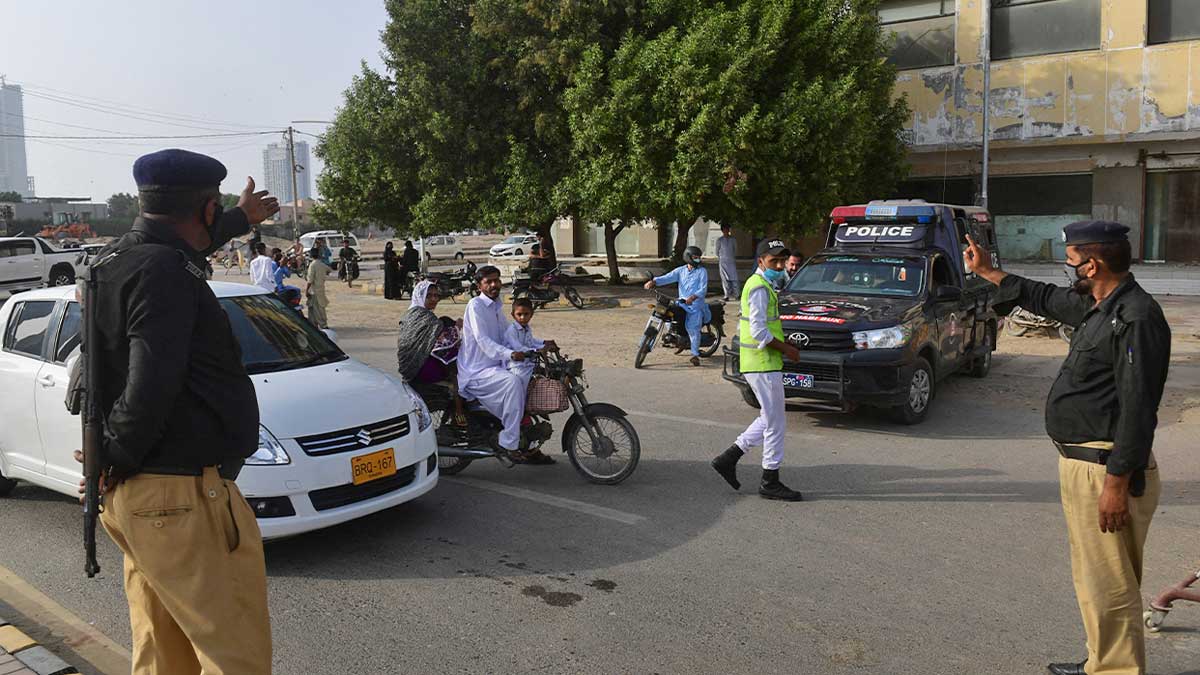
(366, 468)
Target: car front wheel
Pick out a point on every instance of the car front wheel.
(920, 394)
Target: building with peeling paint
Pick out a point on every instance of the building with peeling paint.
(1094, 112)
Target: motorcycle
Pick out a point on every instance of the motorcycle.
(543, 291)
(348, 270)
(1020, 321)
(598, 438)
(453, 284)
(666, 312)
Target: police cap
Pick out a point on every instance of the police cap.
(1094, 232)
(177, 170)
(771, 247)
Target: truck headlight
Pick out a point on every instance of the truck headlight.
(424, 419)
(269, 451)
(883, 338)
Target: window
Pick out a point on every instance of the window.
(26, 332)
(69, 334)
(1028, 27)
(10, 249)
(922, 30)
(942, 274)
(1030, 211)
(1173, 20)
(273, 337)
(1172, 216)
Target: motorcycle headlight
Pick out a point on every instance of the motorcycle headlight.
(269, 452)
(424, 419)
(883, 338)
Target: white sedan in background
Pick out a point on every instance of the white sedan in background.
(517, 245)
(338, 440)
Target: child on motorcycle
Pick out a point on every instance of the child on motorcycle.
(519, 338)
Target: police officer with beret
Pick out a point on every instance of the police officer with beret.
(180, 418)
(1101, 414)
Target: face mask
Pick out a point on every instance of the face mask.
(1078, 283)
(776, 277)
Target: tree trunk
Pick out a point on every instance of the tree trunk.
(681, 238)
(610, 250)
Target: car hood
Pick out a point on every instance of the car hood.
(844, 310)
(328, 397)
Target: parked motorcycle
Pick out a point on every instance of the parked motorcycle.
(667, 312)
(1020, 321)
(598, 438)
(453, 284)
(543, 291)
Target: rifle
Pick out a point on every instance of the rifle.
(92, 418)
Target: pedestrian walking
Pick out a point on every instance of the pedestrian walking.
(1101, 415)
(318, 302)
(180, 418)
(761, 350)
(391, 272)
(727, 262)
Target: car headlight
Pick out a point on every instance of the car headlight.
(883, 338)
(269, 451)
(424, 419)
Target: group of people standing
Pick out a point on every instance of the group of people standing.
(399, 270)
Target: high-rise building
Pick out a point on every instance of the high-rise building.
(14, 172)
(277, 175)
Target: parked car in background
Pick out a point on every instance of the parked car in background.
(332, 239)
(338, 440)
(518, 245)
(30, 262)
(443, 246)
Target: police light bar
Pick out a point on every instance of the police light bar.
(921, 213)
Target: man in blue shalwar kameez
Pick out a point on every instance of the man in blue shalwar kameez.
(693, 285)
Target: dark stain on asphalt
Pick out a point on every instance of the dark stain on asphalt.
(603, 585)
(552, 598)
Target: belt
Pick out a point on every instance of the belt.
(1083, 453)
(227, 470)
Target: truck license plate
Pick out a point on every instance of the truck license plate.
(798, 380)
(365, 468)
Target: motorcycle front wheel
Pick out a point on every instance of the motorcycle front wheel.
(717, 334)
(1065, 332)
(573, 297)
(643, 349)
(612, 457)
(1015, 329)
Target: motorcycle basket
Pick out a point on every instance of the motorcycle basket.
(546, 395)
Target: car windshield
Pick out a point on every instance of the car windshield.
(275, 337)
(861, 275)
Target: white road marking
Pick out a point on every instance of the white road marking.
(552, 500)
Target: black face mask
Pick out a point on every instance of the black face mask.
(1078, 283)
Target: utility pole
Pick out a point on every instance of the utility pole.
(987, 96)
(295, 192)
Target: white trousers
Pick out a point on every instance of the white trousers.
(502, 394)
(769, 429)
(729, 285)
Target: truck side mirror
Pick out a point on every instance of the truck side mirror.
(945, 293)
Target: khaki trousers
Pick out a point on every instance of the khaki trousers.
(194, 575)
(1107, 567)
(316, 312)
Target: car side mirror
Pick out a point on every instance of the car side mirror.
(945, 293)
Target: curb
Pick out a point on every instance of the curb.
(21, 655)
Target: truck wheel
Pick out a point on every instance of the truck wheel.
(982, 365)
(62, 276)
(920, 395)
(750, 399)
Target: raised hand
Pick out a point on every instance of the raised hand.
(257, 206)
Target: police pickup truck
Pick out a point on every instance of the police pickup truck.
(886, 310)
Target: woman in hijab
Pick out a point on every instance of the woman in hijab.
(428, 347)
(391, 272)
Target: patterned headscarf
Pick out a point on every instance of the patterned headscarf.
(419, 292)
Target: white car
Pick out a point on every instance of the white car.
(517, 245)
(332, 239)
(338, 440)
(30, 262)
(443, 246)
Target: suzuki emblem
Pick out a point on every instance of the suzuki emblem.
(798, 339)
(364, 437)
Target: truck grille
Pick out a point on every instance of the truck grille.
(354, 438)
(821, 372)
(819, 339)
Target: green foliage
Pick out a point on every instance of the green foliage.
(10, 196)
(123, 207)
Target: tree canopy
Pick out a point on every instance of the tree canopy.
(11, 196)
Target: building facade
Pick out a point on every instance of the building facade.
(1094, 113)
(14, 170)
(277, 174)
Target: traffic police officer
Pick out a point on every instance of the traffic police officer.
(180, 417)
(761, 353)
(1101, 414)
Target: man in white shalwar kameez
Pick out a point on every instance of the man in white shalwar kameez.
(483, 360)
(726, 261)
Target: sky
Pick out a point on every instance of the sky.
(224, 66)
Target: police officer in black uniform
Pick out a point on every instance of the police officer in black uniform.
(180, 418)
(1101, 414)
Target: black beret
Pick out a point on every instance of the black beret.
(169, 170)
(1094, 232)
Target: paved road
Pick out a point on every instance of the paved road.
(935, 549)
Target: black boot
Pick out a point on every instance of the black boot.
(771, 488)
(726, 465)
(1068, 668)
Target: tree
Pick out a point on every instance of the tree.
(123, 207)
(10, 196)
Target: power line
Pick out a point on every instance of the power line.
(142, 138)
(107, 110)
(120, 105)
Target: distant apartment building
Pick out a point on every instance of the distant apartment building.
(14, 171)
(1094, 113)
(277, 173)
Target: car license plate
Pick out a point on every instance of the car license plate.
(798, 380)
(366, 468)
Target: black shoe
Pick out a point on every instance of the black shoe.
(771, 488)
(1068, 668)
(695, 360)
(726, 465)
